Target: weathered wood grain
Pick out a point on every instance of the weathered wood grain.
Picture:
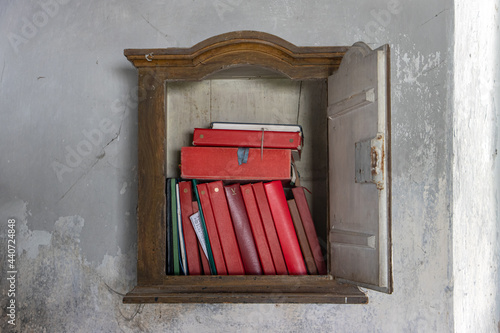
(237, 49)
(248, 289)
(188, 106)
(151, 207)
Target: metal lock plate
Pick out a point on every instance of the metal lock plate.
(369, 161)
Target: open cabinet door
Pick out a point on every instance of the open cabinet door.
(359, 174)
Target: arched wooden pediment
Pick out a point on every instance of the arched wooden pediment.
(240, 49)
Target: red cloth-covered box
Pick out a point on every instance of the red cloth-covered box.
(223, 163)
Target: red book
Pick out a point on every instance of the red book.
(284, 227)
(301, 235)
(242, 138)
(307, 221)
(224, 224)
(203, 257)
(213, 234)
(204, 261)
(223, 163)
(259, 235)
(190, 239)
(243, 230)
(267, 221)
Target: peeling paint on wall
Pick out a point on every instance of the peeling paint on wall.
(476, 174)
(56, 282)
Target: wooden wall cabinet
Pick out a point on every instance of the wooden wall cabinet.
(339, 94)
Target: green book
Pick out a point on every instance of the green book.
(168, 220)
(211, 261)
(175, 232)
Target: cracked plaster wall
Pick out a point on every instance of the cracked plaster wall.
(69, 163)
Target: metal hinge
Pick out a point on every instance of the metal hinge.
(369, 161)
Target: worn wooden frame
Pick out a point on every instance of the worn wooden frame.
(157, 66)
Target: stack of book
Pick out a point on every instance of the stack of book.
(229, 215)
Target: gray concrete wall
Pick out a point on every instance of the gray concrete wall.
(68, 158)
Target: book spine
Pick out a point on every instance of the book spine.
(213, 233)
(257, 230)
(182, 244)
(285, 229)
(307, 221)
(269, 227)
(301, 235)
(168, 226)
(243, 230)
(224, 224)
(205, 231)
(223, 164)
(175, 232)
(191, 242)
(256, 126)
(204, 260)
(240, 138)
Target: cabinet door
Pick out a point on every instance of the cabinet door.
(359, 168)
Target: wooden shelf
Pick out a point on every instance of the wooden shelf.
(248, 289)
